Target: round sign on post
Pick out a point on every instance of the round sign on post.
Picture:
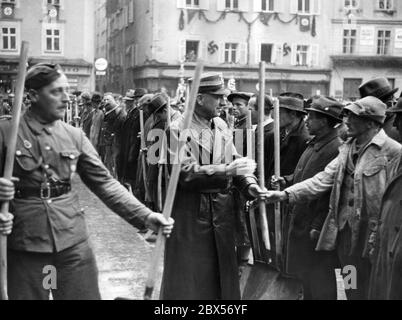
(101, 64)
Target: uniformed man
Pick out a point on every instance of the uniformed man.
(200, 258)
(49, 225)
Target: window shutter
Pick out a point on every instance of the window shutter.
(243, 53)
(182, 50)
(220, 5)
(222, 52)
(181, 4)
(314, 55)
(204, 4)
(203, 50)
(293, 6)
(257, 5)
(258, 52)
(316, 7)
(244, 5)
(293, 60)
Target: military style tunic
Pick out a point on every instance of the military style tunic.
(51, 154)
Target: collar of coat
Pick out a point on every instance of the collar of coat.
(379, 140)
(36, 126)
(318, 144)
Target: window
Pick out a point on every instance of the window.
(267, 52)
(267, 5)
(52, 40)
(9, 38)
(385, 4)
(304, 6)
(231, 53)
(192, 3)
(53, 2)
(384, 42)
(302, 55)
(192, 49)
(351, 88)
(351, 4)
(349, 41)
(232, 4)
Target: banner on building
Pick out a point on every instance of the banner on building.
(398, 38)
(367, 35)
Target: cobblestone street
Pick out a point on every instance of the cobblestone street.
(122, 254)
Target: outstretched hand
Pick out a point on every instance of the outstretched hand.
(242, 166)
(155, 221)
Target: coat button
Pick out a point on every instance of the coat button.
(46, 166)
(48, 148)
(18, 153)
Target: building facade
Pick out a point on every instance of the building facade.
(367, 43)
(58, 31)
(153, 43)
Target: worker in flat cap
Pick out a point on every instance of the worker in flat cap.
(315, 269)
(382, 89)
(357, 179)
(200, 258)
(49, 226)
(386, 275)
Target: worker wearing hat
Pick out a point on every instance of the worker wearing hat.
(49, 226)
(314, 269)
(381, 88)
(357, 179)
(200, 259)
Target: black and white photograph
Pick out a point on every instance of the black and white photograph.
(213, 151)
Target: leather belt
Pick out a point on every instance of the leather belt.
(44, 193)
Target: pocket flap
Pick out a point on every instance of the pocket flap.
(70, 154)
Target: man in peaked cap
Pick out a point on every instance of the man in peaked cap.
(316, 270)
(49, 225)
(357, 179)
(204, 265)
(381, 89)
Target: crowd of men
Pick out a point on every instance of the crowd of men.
(340, 180)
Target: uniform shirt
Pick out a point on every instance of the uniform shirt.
(53, 225)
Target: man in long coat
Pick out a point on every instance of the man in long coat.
(200, 258)
(386, 275)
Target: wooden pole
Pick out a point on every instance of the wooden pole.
(144, 156)
(9, 161)
(260, 153)
(278, 218)
(171, 192)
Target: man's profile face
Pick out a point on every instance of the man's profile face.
(239, 108)
(355, 125)
(50, 102)
(211, 105)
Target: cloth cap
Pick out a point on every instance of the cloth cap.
(41, 75)
(290, 103)
(368, 107)
(242, 95)
(140, 92)
(328, 106)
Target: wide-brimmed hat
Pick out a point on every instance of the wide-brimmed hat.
(327, 106)
(140, 92)
(212, 83)
(242, 95)
(158, 102)
(369, 107)
(290, 103)
(130, 95)
(292, 95)
(379, 88)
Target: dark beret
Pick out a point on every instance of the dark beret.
(41, 75)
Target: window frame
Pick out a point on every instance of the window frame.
(382, 48)
(197, 54)
(53, 26)
(232, 5)
(267, 4)
(349, 48)
(10, 25)
(392, 8)
(192, 5)
(303, 11)
(229, 53)
(348, 7)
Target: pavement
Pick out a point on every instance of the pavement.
(122, 255)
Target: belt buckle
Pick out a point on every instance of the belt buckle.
(45, 191)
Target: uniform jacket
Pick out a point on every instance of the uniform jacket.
(60, 150)
(386, 274)
(200, 259)
(370, 180)
(311, 214)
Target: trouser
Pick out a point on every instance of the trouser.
(361, 265)
(70, 275)
(319, 282)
